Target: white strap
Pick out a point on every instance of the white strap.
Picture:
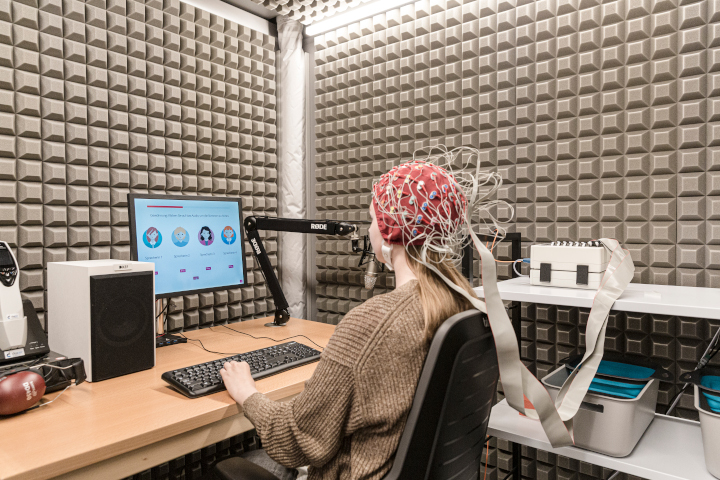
(617, 276)
(517, 381)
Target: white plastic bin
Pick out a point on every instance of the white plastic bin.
(709, 420)
(710, 426)
(608, 425)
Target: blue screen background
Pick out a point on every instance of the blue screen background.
(184, 264)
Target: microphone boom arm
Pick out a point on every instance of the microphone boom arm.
(254, 224)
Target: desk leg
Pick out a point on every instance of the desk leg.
(517, 461)
(515, 472)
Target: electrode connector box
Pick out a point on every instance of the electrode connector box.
(568, 264)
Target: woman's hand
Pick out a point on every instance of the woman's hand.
(238, 381)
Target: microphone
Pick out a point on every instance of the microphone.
(371, 274)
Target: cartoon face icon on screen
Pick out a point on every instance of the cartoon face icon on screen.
(228, 235)
(180, 237)
(152, 237)
(206, 236)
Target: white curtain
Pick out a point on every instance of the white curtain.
(292, 247)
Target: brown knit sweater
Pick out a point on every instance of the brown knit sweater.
(347, 422)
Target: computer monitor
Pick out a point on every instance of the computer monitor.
(196, 243)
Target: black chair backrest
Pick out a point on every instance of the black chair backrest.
(446, 427)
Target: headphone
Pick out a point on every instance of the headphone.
(22, 388)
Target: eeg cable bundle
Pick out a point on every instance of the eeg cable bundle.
(436, 209)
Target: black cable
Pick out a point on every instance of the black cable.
(166, 307)
(38, 360)
(674, 399)
(712, 354)
(268, 338)
(715, 351)
(203, 346)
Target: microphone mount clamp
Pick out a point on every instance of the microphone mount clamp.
(367, 251)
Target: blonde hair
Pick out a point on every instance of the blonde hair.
(439, 302)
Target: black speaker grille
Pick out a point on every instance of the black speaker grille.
(122, 324)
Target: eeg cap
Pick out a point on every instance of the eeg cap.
(418, 202)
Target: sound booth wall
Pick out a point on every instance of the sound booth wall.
(600, 116)
(102, 98)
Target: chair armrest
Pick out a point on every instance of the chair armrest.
(237, 468)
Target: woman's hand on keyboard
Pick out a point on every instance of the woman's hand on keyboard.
(238, 381)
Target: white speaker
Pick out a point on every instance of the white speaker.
(103, 311)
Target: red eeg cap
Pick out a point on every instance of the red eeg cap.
(420, 192)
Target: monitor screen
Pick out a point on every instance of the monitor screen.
(196, 243)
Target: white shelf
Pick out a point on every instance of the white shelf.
(670, 449)
(693, 302)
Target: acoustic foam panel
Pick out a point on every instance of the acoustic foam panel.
(599, 116)
(308, 11)
(99, 99)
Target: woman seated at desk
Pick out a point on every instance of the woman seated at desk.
(348, 421)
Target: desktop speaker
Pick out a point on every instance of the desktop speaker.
(103, 311)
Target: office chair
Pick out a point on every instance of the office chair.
(445, 430)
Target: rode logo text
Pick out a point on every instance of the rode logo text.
(255, 245)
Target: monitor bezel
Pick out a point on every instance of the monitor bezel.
(133, 236)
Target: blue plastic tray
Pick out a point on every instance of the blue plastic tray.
(615, 388)
(712, 382)
(624, 370)
(619, 379)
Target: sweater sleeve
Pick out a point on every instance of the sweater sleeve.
(309, 429)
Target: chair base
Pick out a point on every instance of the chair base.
(237, 468)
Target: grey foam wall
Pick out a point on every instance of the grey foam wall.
(601, 119)
(102, 98)
(308, 11)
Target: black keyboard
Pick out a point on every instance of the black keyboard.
(204, 378)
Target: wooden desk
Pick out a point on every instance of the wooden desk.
(125, 425)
